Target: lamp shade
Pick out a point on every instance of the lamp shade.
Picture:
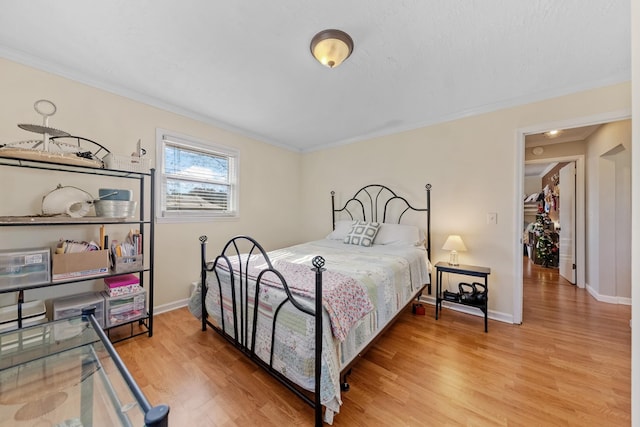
(454, 243)
(331, 47)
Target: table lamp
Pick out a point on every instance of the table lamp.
(454, 244)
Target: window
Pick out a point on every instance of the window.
(197, 179)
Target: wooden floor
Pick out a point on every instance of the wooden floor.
(568, 364)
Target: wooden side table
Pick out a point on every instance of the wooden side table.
(466, 270)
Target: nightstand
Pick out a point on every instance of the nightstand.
(466, 270)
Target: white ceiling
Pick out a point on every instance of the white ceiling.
(246, 66)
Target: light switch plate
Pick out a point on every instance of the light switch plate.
(492, 218)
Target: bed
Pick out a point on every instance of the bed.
(368, 269)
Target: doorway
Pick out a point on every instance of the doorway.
(550, 216)
(584, 269)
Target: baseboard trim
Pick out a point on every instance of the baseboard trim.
(608, 298)
(493, 315)
(159, 309)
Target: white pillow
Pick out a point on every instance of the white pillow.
(362, 233)
(342, 229)
(399, 234)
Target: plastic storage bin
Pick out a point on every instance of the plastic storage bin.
(125, 308)
(33, 313)
(24, 267)
(71, 306)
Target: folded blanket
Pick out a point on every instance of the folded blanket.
(345, 299)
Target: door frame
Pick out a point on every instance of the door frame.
(580, 197)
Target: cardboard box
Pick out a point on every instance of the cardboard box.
(80, 265)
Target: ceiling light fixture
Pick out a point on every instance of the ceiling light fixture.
(553, 133)
(331, 47)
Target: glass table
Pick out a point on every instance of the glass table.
(67, 374)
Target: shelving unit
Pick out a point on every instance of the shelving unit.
(145, 224)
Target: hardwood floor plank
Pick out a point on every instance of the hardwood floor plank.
(568, 364)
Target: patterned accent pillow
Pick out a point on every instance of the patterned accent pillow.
(362, 233)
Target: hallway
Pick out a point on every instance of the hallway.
(550, 299)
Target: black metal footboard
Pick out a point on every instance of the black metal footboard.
(236, 258)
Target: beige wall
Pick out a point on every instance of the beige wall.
(268, 176)
(608, 201)
(472, 164)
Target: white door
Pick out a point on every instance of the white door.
(567, 259)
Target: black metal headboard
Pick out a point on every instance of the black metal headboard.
(375, 202)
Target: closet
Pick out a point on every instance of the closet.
(542, 220)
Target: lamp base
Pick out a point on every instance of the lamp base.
(453, 258)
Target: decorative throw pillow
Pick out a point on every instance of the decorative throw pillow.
(362, 233)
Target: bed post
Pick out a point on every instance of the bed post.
(203, 279)
(318, 263)
(333, 209)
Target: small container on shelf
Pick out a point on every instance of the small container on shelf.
(33, 313)
(121, 285)
(24, 267)
(80, 265)
(125, 308)
(72, 306)
(115, 208)
(125, 264)
(127, 163)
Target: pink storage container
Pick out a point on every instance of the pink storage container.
(121, 285)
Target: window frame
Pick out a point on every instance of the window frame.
(164, 136)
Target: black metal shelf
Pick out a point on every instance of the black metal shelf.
(44, 165)
(66, 282)
(141, 321)
(144, 178)
(34, 221)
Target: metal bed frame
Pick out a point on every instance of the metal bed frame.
(368, 203)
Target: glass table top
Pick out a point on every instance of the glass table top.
(63, 374)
